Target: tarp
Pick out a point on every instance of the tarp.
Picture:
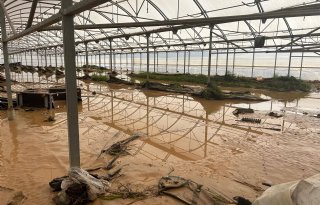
(303, 192)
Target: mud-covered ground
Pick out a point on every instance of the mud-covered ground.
(196, 139)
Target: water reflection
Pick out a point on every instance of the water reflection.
(177, 126)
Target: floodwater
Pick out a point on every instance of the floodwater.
(197, 139)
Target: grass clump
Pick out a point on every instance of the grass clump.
(96, 77)
(212, 91)
(201, 79)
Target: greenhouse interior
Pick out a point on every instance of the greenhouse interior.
(174, 102)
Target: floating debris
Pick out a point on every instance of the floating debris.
(78, 188)
(121, 147)
(251, 120)
(238, 111)
(274, 114)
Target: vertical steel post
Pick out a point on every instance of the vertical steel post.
(71, 85)
(301, 65)
(154, 59)
(120, 56)
(177, 66)
(25, 57)
(99, 53)
(127, 61)
(110, 54)
(31, 58)
(217, 61)
(201, 66)
(6, 64)
(86, 52)
(189, 61)
(45, 57)
(56, 56)
(166, 61)
(38, 57)
(157, 61)
(184, 59)
(253, 58)
(114, 59)
(148, 55)
(132, 61)
(227, 59)
(140, 60)
(290, 59)
(234, 60)
(209, 57)
(275, 63)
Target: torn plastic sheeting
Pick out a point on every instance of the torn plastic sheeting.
(304, 192)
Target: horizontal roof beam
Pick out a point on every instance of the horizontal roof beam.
(72, 10)
(193, 22)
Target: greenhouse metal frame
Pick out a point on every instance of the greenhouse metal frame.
(78, 29)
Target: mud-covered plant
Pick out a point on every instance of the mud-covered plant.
(212, 91)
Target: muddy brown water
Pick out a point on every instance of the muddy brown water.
(198, 139)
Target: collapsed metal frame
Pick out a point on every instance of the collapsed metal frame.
(68, 10)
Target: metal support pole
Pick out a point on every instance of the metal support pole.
(227, 59)
(154, 60)
(189, 62)
(217, 61)
(157, 61)
(99, 59)
(132, 61)
(56, 56)
(201, 66)
(301, 65)
(45, 57)
(275, 63)
(71, 85)
(86, 51)
(25, 57)
(184, 59)
(127, 61)
(177, 66)
(290, 59)
(209, 57)
(148, 56)
(140, 61)
(6, 64)
(110, 54)
(234, 60)
(253, 58)
(31, 58)
(120, 56)
(38, 57)
(166, 61)
(50, 60)
(114, 59)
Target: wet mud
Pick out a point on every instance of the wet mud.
(189, 137)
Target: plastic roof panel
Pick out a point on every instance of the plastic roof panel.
(147, 10)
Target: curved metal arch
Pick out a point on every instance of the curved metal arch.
(136, 20)
(164, 16)
(120, 29)
(205, 14)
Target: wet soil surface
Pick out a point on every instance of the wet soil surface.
(193, 138)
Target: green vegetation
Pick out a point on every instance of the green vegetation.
(212, 91)
(229, 80)
(96, 77)
(200, 79)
